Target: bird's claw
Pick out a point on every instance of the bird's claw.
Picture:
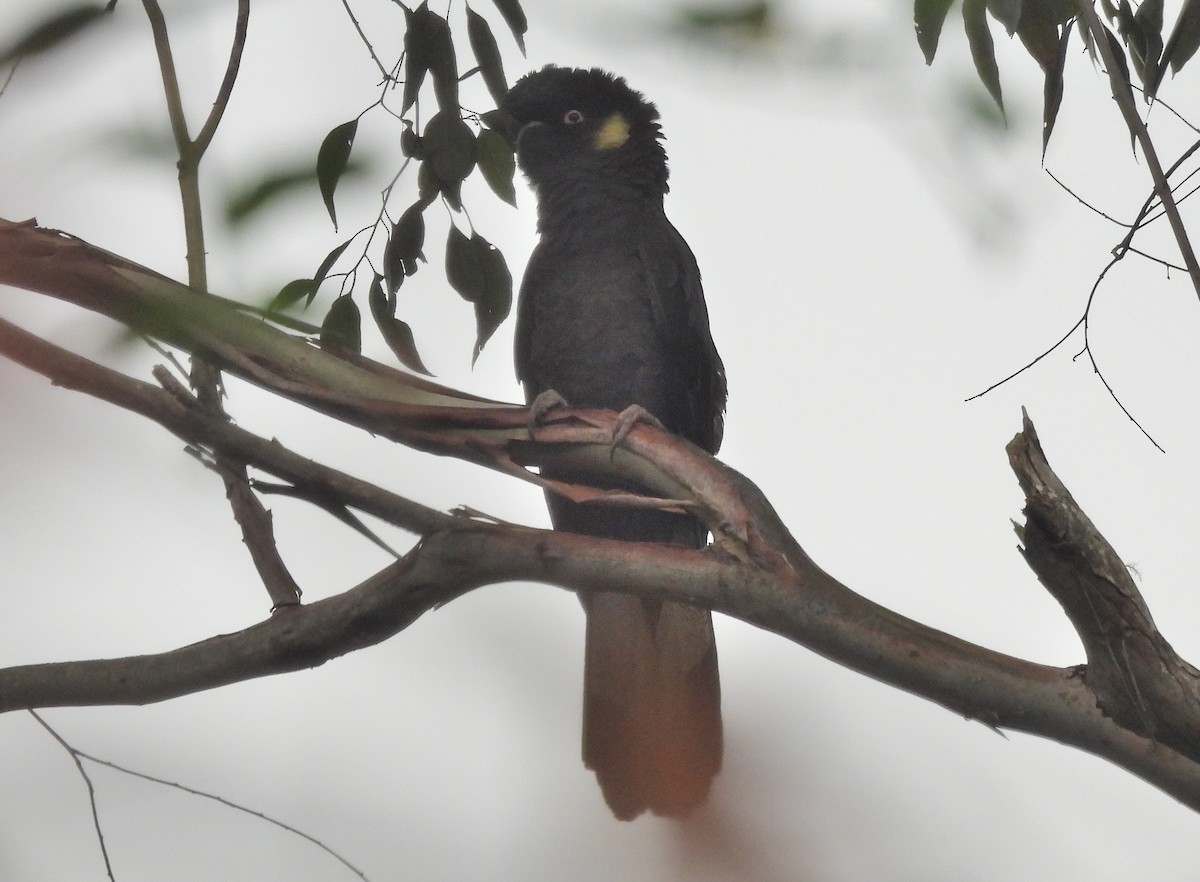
(630, 417)
(542, 405)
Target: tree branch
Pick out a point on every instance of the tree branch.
(1138, 678)
(176, 410)
(209, 129)
(756, 571)
(811, 609)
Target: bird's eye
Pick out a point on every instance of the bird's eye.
(572, 117)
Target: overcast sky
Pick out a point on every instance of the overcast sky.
(870, 261)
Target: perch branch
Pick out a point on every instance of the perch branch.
(755, 572)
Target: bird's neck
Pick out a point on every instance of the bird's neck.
(595, 200)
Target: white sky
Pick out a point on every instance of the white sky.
(869, 264)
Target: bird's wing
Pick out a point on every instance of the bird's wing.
(680, 314)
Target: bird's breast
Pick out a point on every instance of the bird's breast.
(589, 331)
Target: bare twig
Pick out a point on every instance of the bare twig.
(75, 757)
(383, 71)
(79, 755)
(205, 136)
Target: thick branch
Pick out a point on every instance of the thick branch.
(1138, 679)
(756, 572)
(384, 401)
(811, 609)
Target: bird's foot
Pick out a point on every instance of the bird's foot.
(542, 405)
(630, 417)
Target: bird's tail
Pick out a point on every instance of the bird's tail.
(651, 704)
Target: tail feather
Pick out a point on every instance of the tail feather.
(652, 704)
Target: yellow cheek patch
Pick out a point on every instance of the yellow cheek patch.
(613, 132)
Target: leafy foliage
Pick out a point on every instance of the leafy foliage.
(1045, 28)
(437, 156)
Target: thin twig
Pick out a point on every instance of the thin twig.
(204, 138)
(228, 804)
(1087, 349)
(362, 36)
(166, 67)
(75, 757)
(1084, 202)
(78, 755)
(1065, 337)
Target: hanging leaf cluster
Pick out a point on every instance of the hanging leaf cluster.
(439, 151)
(1045, 27)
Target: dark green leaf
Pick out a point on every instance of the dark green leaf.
(498, 121)
(410, 142)
(449, 146)
(982, 52)
(342, 328)
(416, 55)
(502, 123)
(493, 309)
(498, 164)
(487, 55)
(1131, 32)
(291, 293)
(404, 247)
(1039, 30)
(52, 31)
(1007, 12)
(928, 17)
(1053, 90)
(514, 17)
(428, 186)
(397, 334)
(436, 54)
(332, 160)
(463, 270)
(477, 271)
(450, 155)
(1185, 38)
(325, 267)
(1149, 18)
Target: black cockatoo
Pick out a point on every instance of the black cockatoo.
(611, 314)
